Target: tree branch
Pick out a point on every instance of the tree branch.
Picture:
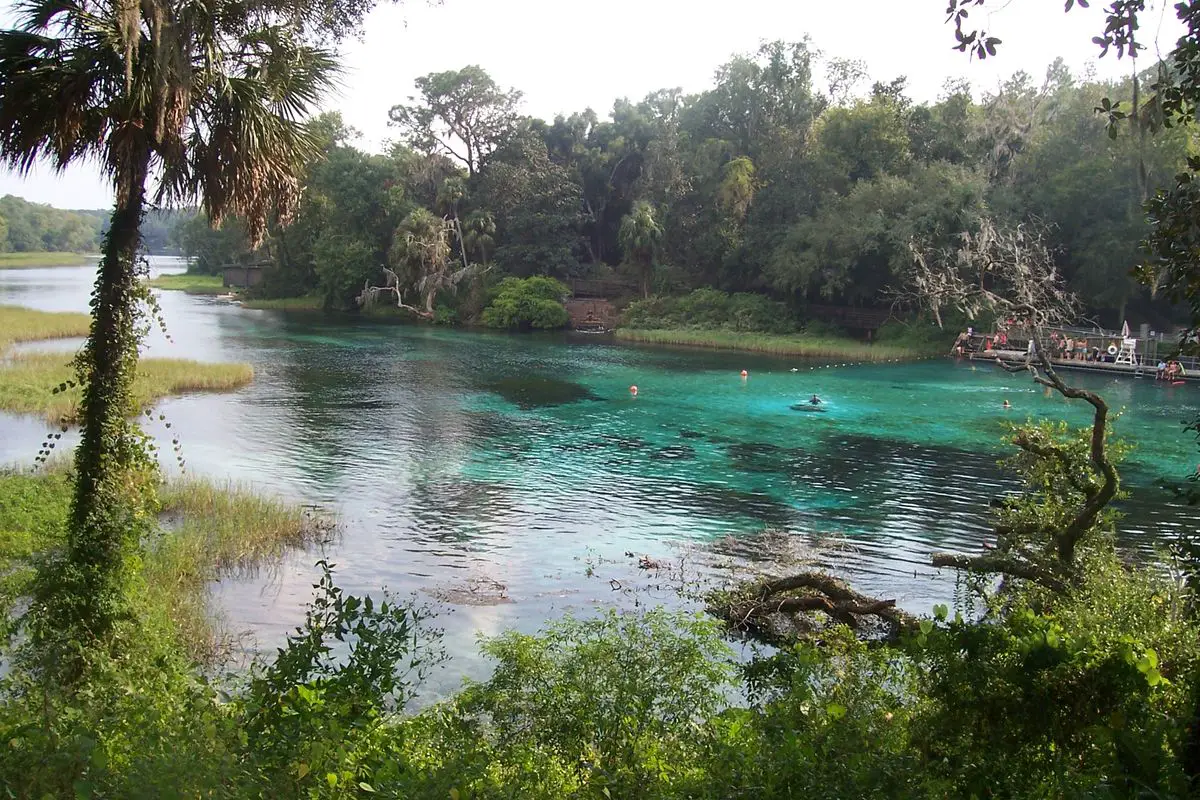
(752, 607)
(998, 564)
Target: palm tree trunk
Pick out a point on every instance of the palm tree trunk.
(104, 528)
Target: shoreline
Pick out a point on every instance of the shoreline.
(773, 344)
(46, 260)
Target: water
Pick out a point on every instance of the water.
(465, 460)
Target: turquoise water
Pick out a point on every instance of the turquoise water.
(461, 459)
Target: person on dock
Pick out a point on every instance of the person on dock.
(1161, 371)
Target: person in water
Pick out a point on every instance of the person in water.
(815, 401)
(1007, 404)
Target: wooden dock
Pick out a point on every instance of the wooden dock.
(1192, 373)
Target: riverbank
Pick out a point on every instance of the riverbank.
(789, 345)
(42, 260)
(308, 302)
(208, 531)
(28, 381)
(189, 283)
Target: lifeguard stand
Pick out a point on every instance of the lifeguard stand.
(1128, 352)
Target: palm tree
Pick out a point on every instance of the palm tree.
(422, 247)
(641, 237)
(479, 230)
(207, 95)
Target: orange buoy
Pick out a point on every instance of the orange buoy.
(745, 374)
(633, 390)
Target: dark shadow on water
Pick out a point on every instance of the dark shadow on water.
(534, 392)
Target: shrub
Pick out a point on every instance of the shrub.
(711, 309)
(525, 303)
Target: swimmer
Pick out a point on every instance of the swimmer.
(1007, 404)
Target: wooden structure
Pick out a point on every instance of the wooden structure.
(1094, 350)
(591, 306)
(242, 276)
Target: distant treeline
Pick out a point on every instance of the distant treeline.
(793, 177)
(35, 228)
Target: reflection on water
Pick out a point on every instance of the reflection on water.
(455, 457)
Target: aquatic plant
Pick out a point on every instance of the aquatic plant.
(43, 383)
(188, 282)
(794, 345)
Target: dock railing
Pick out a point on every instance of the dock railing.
(1151, 347)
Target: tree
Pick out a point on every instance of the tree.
(461, 113)
(207, 94)
(422, 255)
(535, 205)
(525, 303)
(641, 241)
(479, 234)
(856, 245)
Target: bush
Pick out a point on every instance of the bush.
(711, 309)
(524, 303)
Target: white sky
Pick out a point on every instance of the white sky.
(565, 55)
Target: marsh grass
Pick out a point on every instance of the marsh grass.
(189, 283)
(212, 531)
(39, 260)
(789, 345)
(208, 531)
(26, 325)
(28, 381)
(308, 302)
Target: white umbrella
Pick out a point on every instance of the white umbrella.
(1125, 329)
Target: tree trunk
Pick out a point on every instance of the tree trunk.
(646, 268)
(105, 513)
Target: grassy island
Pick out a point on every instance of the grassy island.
(774, 344)
(190, 283)
(38, 260)
(28, 380)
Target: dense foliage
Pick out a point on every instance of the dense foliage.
(32, 227)
(710, 309)
(769, 182)
(525, 303)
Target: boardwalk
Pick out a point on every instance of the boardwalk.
(1192, 369)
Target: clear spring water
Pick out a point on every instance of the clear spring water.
(456, 457)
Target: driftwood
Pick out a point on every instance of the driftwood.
(763, 609)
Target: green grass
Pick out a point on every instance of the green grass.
(36, 260)
(308, 302)
(791, 345)
(26, 325)
(28, 380)
(190, 283)
(209, 531)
